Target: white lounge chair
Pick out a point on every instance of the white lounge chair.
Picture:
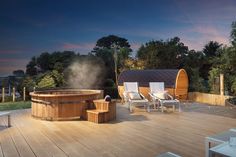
(133, 96)
(161, 97)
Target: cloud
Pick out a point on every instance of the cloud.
(9, 52)
(8, 65)
(84, 47)
(194, 36)
(6, 69)
(199, 35)
(202, 12)
(13, 60)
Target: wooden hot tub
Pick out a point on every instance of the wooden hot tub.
(65, 104)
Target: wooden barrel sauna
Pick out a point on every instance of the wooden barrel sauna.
(176, 81)
(66, 104)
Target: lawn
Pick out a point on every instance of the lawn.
(15, 105)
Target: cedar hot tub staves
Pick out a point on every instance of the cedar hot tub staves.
(66, 104)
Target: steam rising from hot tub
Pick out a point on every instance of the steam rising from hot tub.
(85, 74)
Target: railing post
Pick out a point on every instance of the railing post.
(221, 84)
(24, 94)
(3, 94)
(222, 97)
(13, 94)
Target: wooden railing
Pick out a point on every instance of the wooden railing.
(212, 99)
(13, 94)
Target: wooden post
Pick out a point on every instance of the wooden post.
(222, 97)
(9, 120)
(24, 94)
(3, 94)
(13, 94)
(221, 84)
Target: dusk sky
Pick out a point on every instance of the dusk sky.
(30, 27)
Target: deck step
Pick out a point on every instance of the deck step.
(98, 116)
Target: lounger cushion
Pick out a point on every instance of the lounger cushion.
(135, 96)
(160, 95)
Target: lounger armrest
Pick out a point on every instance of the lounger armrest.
(125, 96)
(152, 96)
(143, 97)
(171, 97)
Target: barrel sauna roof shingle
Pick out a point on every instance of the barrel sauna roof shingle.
(143, 77)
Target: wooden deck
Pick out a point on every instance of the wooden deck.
(139, 135)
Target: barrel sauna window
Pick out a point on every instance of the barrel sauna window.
(176, 80)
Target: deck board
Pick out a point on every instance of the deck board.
(7, 144)
(131, 135)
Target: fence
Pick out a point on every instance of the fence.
(213, 99)
(13, 94)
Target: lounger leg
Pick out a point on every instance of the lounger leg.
(9, 120)
(130, 107)
(162, 108)
(173, 108)
(154, 104)
(179, 107)
(148, 107)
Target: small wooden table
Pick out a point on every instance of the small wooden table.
(8, 114)
(217, 139)
(223, 149)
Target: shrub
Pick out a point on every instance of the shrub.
(197, 83)
(233, 87)
(29, 83)
(112, 91)
(47, 82)
(232, 100)
(109, 83)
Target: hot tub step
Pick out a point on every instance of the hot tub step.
(98, 116)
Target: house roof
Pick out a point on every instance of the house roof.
(143, 77)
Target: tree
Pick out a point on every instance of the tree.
(44, 62)
(113, 50)
(211, 51)
(31, 67)
(196, 82)
(134, 64)
(58, 78)
(29, 84)
(163, 54)
(192, 63)
(108, 41)
(50, 61)
(61, 60)
(18, 73)
(214, 81)
(233, 33)
(47, 82)
(227, 66)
